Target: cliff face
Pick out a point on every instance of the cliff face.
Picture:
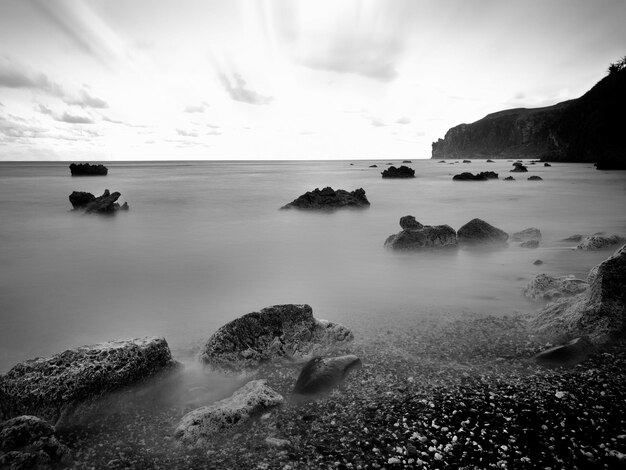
(587, 129)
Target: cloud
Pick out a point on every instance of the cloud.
(238, 91)
(14, 75)
(13, 129)
(198, 108)
(404, 120)
(43, 109)
(185, 133)
(88, 101)
(377, 122)
(74, 118)
(122, 123)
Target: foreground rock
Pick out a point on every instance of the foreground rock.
(81, 199)
(526, 235)
(566, 355)
(105, 204)
(482, 176)
(29, 442)
(599, 312)
(598, 242)
(328, 198)
(415, 236)
(479, 231)
(402, 172)
(87, 169)
(545, 287)
(249, 401)
(321, 374)
(288, 331)
(54, 387)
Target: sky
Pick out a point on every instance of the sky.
(283, 79)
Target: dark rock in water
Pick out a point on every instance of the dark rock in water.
(599, 312)
(28, 442)
(81, 199)
(530, 244)
(407, 161)
(544, 287)
(527, 234)
(86, 169)
(611, 164)
(402, 172)
(408, 222)
(124, 207)
(442, 161)
(489, 161)
(328, 198)
(479, 231)
(281, 331)
(518, 168)
(509, 178)
(482, 176)
(546, 164)
(599, 242)
(373, 166)
(535, 178)
(320, 375)
(234, 412)
(489, 174)
(54, 387)
(566, 355)
(467, 161)
(389, 164)
(538, 262)
(574, 238)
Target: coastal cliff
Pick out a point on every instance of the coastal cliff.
(586, 129)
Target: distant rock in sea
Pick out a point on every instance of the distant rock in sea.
(321, 374)
(328, 198)
(546, 164)
(599, 242)
(535, 178)
(530, 244)
(479, 231)
(519, 168)
(537, 262)
(509, 178)
(416, 236)
(81, 199)
(482, 176)
(467, 161)
(373, 166)
(527, 234)
(489, 161)
(407, 161)
(105, 204)
(402, 172)
(87, 169)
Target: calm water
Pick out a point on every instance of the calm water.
(205, 242)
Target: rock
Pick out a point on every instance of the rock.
(489, 161)
(373, 166)
(402, 172)
(527, 234)
(438, 236)
(442, 161)
(408, 222)
(30, 442)
(545, 287)
(574, 238)
(407, 161)
(599, 312)
(467, 161)
(611, 164)
(328, 198)
(535, 178)
(538, 262)
(483, 176)
(566, 355)
(288, 331)
(546, 164)
(530, 244)
(479, 231)
(81, 199)
(509, 178)
(86, 169)
(251, 400)
(518, 168)
(55, 386)
(278, 443)
(599, 242)
(321, 374)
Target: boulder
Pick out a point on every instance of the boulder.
(518, 167)
(81, 199)
(545, 287)
(281, 331)
(489, 161)
(402, 172)
(321, 374)
(482, 176)
(415, 236)
(87, 169)
(599, 242)
(546, 164)
(328, 198)
(535, 178)
(537, 262)
(566, 355)
(249, 401)
(54, 387)
(530, 244)
(373, 166)
(479, 231)
(442, 161)
(527, 234)
(408, 222)
(598, 313)
(467, 161)
(407, 161)
(105, 204)
(509, 178)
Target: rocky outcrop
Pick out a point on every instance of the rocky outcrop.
(87, 169)
(416, 236)
(599, 312)
(54, 387)
(482, 176)
(527, 234)
(535, 178)
(408, 222)
(282, 331)
(81, 199)
(545, 287)
(519, 168)
(199, 425)
(321, 374)
(566, 355)
(599, 242)
(105, 204)
(509, 178)
(586, 129)
(546, 164)
(479, 231)
(402, 172)
(530, 244)
(328, 198)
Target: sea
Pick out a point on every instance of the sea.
(205, 242)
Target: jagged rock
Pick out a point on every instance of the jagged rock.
(482, 176)
(535, 178)
(566, 355)
(546, 164)
(421, 236)
(599, 242)
(530, 244)
(479, 231)
(408, 222)
(29, 442)
(288, 331)
(86, 169)
(527, 234)
(322, 374)
(545, 287)
(249, 401)
(518, 168)
(599, 312)
(55, 386)
(537, 262)
(81, 199)
(402, 172)
(328, 198)
(373, 166)
(509, 178)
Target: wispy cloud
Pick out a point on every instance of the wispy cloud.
(15, 75)
(197, 108)
(238, 91)
(403, 120)
(88, 101)
(74, 118)
(186, 133)
(377, 122)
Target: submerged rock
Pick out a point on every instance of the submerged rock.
(402, 172)
(249, 401)
(518, 167)
(546, 164)
(81, 199)
(328, 198)
(87, 169)
(53, 387)
(509, 178)
(467, 161)
(566, 355)
(479, 231)
(545, 287)
(438, 236)
(373, 166)
(599, 242)
(527, 234)
(288, 331)
(482, 176)
(537, 262)
(535, 178)
(407, 161)
(105, 204)
(321, 374)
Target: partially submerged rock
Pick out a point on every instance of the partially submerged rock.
(537, 262)
(530, 244)
(489, 161)
(479, 231)
(416, 236)
(408, 222)
(87, 169)
(546, 164)
(249, 401)
(402, 172)
(373, 166)
(54, 387)
(81, 199)
(105, 204)
(482, 176)
(328, 198)
(509, 178)
(599, 242)
(566, 355)
(280, 331)
(527, 234)
(518, 167)
(321, 374)
(535, 178)
(545, 287)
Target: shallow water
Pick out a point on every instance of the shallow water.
(204, 242)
